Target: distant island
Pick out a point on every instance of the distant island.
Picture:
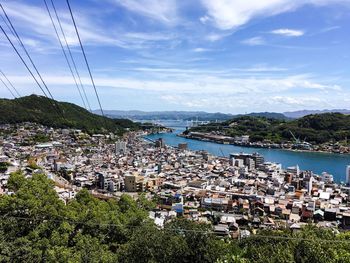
(318, 132)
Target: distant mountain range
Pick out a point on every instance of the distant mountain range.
(302, 113)
(207, 116)
(165, 115)
(183, 115)
(56, 114)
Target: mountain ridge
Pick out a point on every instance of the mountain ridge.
(42, 110)
(183, 115)
(302, 113)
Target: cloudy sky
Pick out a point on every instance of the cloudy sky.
(231, 56)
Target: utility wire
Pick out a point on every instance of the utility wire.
(25, 64)
(8, 26)
(86, 61)
(7, 88)
(31, 73)
(64, 52)
(10, 83)
(54, 103)
(25, 50)
(70, 54)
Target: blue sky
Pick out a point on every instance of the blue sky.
(230, 56)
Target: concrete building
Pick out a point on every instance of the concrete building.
(250, 160)
(293, 170)
(134, 183)
(182, 146)
(347, 173)
(120, 147)
(326, 177)
(108, 183)
(160, 143)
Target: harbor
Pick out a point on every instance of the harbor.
(317, 162)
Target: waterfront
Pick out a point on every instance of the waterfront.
(334, 164)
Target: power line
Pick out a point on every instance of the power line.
(86, 61)
(55, 106)
(25, 50)
(7, 87)
(23, 61)
(70, 54)
(64, 52)
(53, 102)
(3, 19)
(10, 83)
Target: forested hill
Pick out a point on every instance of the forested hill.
(317, 128)
(56, 114)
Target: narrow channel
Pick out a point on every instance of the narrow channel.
(334, 164)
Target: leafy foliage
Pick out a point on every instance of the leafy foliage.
(3, 167)
(36, 226)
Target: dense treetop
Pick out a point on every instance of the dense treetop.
(37, 226)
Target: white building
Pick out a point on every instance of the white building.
(120, 147)
(326, 177)
(348, 174)
(293, 170)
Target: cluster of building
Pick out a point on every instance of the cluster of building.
(237, 194)
(244, 140)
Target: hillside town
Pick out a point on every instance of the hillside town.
(238, 194)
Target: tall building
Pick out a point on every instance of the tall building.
(293, 170)
(348, 174)
(134, 183)
(107, 183)
(182, 146)
(120, 147)
(250, 160)
(160, 143)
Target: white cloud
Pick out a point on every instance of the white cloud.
(204, 19)
(202, 90)
(231, 14)
(215, 37)
(301, 102)
(35, 21)
(154, 36)
(193, 81)
(162, 10)
(200, 49)
(288, 32)
(244, 103)
(254, 41)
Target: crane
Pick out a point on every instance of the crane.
(296, 140)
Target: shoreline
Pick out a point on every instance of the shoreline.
(260, 146)
(336, 181)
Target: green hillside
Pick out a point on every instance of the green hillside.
(318, 128)
(41, 110)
